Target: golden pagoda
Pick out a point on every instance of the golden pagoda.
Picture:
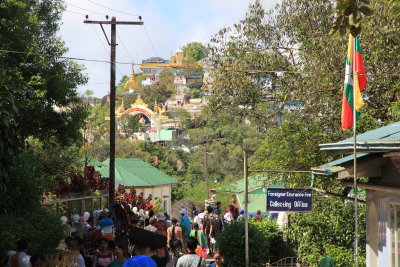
(120, 110)
(132, 83)
(139, 102)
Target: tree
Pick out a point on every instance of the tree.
(310, 60)
(349, 14)
(328, 230)
(194, 51)
(88, 95)
(160, 91)
(184, 118)
(131, 124)
(44, 100)
(294, 38)
(38, 99)
(23, 215)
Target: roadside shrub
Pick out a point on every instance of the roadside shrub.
(21, 215)
(40, 227)
(265, 243)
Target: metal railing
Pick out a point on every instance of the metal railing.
(288, 262)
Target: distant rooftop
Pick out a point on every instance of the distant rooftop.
(155, 60)
(135, 172)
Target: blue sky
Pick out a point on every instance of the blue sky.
(169, 23)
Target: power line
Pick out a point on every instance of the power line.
(183, 67)
(122, 12)
(99, 83)
(123, 45)
(74, 12)
(86, 9)
(151, 43)
(107, 52)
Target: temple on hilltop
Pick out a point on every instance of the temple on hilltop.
(155, 65)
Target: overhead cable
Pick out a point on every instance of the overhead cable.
(310, 73)
(116, 10)
(151, 43)
(85, 9)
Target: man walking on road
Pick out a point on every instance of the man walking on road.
(191, 259)
(217, 225)
(185, 225)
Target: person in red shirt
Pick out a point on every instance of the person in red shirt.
(258, 217)
(235, 209)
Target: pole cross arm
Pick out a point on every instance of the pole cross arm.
(113, 22)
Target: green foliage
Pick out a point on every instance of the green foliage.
(38, 99)
(394, 111)
(99, 113)
(265, 243)
(394, 7)
(194, 51)
(328, 230)
(292, 146)
(121, 85)
(130, 124)
(25, 183)
(349, 14)
(184, 118)
(40, 227)
(160, 91)
(193, 92)
(23, 215)
(35, 91)
(247, 49)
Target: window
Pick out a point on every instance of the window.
(394, 224)
(165, 205)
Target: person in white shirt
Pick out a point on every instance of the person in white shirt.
(151, 226)
(197, 219)
(20, 259)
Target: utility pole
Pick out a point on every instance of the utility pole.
(113, 44)
(206, 169)
(246, 209)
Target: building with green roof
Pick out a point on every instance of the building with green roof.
(378, 159)
(257, 192)
(143, 177)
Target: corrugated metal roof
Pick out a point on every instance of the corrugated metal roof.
(389, 132)
(335, 166)
(383, 139)
(255, 182)
(135, 172)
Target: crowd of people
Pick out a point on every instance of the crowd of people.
(153, 240)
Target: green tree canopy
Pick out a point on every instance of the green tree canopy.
(38, 94)
(160, 91)
(194, 51)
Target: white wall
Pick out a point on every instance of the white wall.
(378, 233)
(163, 192)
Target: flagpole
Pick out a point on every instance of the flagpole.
(355, 76)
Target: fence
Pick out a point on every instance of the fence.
(78, 203)
(288, 262)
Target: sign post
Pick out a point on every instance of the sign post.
(284, 199)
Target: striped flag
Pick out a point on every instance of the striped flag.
(353, 84)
